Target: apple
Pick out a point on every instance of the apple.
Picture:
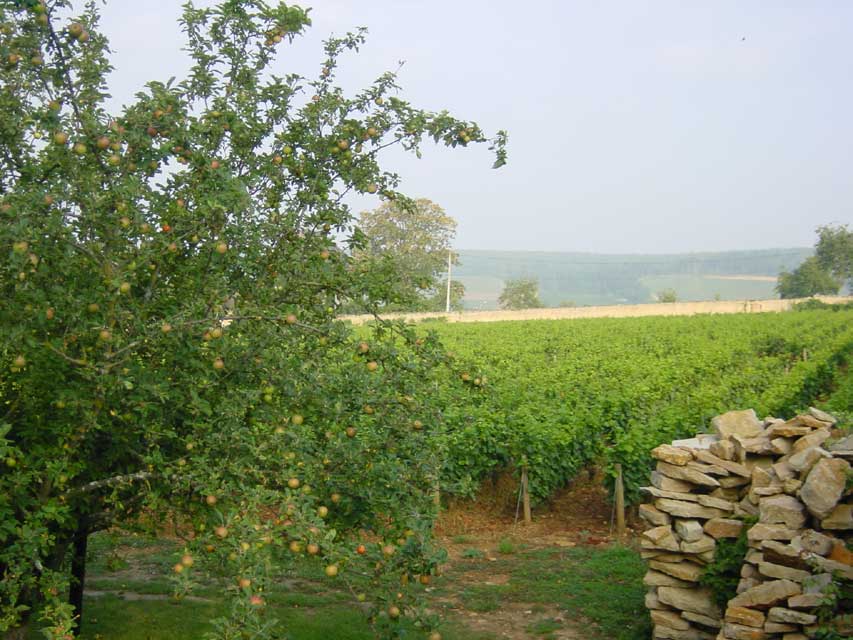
(351, 431)
(335, 498)
(256, 601)
(20, 247)
(343, 145)
(394, 612)
(372, 366)
(124, 288)
(363, 347)
(104, 335)
(297, 419)
(277, 159)
(379, 101)
(103, 143)
(332, 570)
(93, 307)
(295, 547)
(372, 132)
(20, 362)
(290, 319)
(417, 425)
(324, 254)
(244, 583)
(221, 247)
(210, 500)
(361, 549)
(372, 188)
(178, 568)
(114, 160)
(187, 560)
(216, 332)
(322, 511)
(424, 579)
(172, 247)
(221, 532)
(389, 550)
(50, 313)
(312, 548)
(215, 165)
(79, 148)
(293, 483)
(166, 328)
(435, 635)
(218, 364)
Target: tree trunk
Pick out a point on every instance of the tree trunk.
(18, 633)
(78, 576)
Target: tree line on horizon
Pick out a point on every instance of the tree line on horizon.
(414, 237)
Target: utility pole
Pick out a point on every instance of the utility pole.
(449, 267)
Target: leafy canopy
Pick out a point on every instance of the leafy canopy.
(171, 276)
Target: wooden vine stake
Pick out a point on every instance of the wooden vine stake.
(525, 496)
(620, 502)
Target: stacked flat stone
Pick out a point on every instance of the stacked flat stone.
(790, 475)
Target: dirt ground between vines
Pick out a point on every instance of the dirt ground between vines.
(579, 515)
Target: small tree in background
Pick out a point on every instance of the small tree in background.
(667, 295)
(825, 272)
(809, 279)
(834, 252)
(413, 238)
(520, 293)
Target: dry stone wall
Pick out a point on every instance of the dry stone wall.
(792, 479)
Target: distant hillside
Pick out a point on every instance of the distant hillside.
(598, 279)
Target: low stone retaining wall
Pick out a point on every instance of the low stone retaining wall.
(791, 481)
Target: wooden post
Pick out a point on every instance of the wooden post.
(620, 502)
(525, 496)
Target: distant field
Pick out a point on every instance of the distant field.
(584, 279)
(714, 287)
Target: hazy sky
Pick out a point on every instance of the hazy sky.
(634, 126)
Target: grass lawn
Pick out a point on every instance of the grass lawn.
(524, 591)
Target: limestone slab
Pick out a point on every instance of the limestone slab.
(742, 423)
(824, 486)
(766, 594)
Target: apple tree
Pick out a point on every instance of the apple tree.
(170, 280)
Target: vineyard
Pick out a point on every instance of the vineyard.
(557, 396)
